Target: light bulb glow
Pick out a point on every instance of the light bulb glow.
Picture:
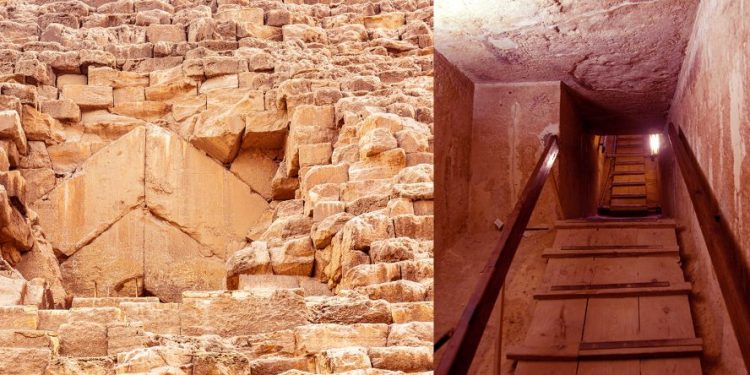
(654, 141)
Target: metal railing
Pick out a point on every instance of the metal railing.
(730, 266)
(463, 340)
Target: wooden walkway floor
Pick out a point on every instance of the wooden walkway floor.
(613, 301)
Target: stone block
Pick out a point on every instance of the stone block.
(11, 291)
(347, 310)
(241, 312)
(11, 129)
(315, 338)
(157, 317)
(402, 358)
(63, 109)
(166, 33)
(411, 334)
(83, 339)
(19, 317)
(339, 360)
(256, 168)
(24, 361)
(412, 312)
(88, 97)
(105, 76)
(267, 130)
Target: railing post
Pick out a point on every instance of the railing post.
(730, 267)
(464, 341)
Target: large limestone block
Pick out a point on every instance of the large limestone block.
(88, 97)
(111, 263)
(11, 128)
(314, 338)
(109, 125)
(219, 134)
(334, 361)
(19, 317)
(104, 76)
(402, 358)
(175, 262)
(256, 168)
(267, 129)
(41, 262)
(111, 184)
(11, 291)
(198, 195)
(157, 317)
(24, 361)
(244, 312)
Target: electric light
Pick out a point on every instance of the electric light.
(654, 141)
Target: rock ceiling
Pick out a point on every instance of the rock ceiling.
(622, 57)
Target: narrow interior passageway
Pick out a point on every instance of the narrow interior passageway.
(629, 258)
(613, 297)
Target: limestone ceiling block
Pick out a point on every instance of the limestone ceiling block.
(111, 263)
(174, 260)
(108, 186)
(195, 193)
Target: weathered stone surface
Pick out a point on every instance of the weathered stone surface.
(88, 97)
(175, 262)
(81, 208)
(111, 263)
(402, 358)
(21, 361)
(83, 339)
(256, 168)
(182, 198)
(347, 310)
(340, 360)
(241, 312)
(11, 291)
(318, 337)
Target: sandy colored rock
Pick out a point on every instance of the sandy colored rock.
(347, 310)
(222, 230)
(88, 97)
(115, 172)
(22, 361)
(175, 262)
(402, 358)
(340, 360)
(256, 168)
(318, 337)
(11, 128)
(241, 312)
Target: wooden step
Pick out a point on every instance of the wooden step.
(610, 350)
(654, 288)
(611, 252)
(628, 196)
(609, 223)
(628, 173)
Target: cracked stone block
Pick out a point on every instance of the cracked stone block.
(81, 208)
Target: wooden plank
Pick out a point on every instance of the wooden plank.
(629, 190)
(640, 344)
(624, 178)
(573, 353)
(624, 367)
(637, 270)
(671, 366)
(607, 236)
(727, 257)
(546, 368)
(672, 289)
(556, 323)
(615, 223)
(602, 312)
(628, 202)
(627, 252)
(564, 271)
(665, 317)
(619, 168)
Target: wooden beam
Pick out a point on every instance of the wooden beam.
(463, 344)
(730, 266)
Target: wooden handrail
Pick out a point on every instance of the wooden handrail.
(464, 341)
(730, 267)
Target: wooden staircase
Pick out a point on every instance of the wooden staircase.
(631, 187)
(613, 301)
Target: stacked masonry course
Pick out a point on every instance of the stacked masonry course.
(216, 187)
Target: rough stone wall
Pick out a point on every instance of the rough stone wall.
(508, 125)
(711, 107)
(262, 167)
